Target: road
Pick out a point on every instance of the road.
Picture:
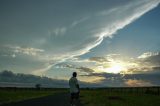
(58, 99)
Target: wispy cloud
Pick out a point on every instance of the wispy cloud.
(148, 54)
(41, 71)
(24, 50)
(134, 9)
(119, 18)
(89, 28)
(79, 21)
(57, 31)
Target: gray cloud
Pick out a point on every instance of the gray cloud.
(81, 69)
(99, 59)
(150, 57)
(8, 78)
(37, 25)
(85, 69)
(149, 62)
(122, 80)
(65, 65)
(81, 38)
(147, 73)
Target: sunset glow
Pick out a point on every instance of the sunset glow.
(115, 68)
(102, 40)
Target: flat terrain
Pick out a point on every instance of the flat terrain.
(88, 97)
(11, 95)
(35, 98)
(59, 99)
(105, 98)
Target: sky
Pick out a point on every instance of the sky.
(107, 42)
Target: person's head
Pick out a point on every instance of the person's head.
(74, 74)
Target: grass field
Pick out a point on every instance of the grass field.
(105, 98)
(88, 97)
(7, 96)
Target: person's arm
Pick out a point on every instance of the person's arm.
(77, 85)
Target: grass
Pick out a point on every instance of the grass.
(104, 98)
(7, 96)
(95, 97)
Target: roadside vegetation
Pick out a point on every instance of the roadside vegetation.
(15, 95)
(105, 98)
(89, 97)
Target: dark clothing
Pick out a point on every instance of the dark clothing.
(75, 95)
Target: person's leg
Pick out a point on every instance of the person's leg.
(71, 99)
(74, 99)
(77, 98)
(74, 102)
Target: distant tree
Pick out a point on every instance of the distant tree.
(38, 86)
(7, 73)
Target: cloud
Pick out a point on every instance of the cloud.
(136, 71)
(148, 54)
(58, 31)
(134, 10)
(8, 78)
(79, 21)
(61, 65)
(128, 64)
(111, 79)
(83, 38)
(85, 69)
(23, 50)
(114, 63)
(150, 57)
(41, 71)
(89, 28)
(25, 59)
(99, 59)
(135, 83)
(81, 69)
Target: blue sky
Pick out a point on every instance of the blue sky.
(94, 38)
(141, 35)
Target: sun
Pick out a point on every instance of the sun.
(115, 68)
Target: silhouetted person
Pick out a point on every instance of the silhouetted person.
(74, 89)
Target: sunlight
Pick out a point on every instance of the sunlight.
(115, 68)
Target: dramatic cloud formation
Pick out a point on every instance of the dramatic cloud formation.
(115, 68)
(49, 37)
(146, 72)
(77, 33)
